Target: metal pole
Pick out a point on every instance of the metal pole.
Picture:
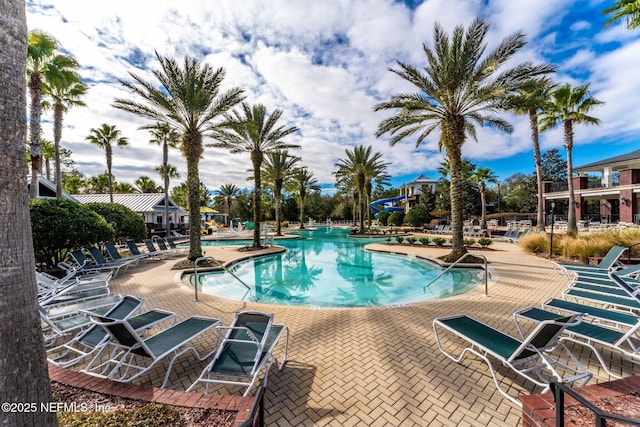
(195, 272)
(553, 214)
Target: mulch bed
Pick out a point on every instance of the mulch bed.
(191, 417)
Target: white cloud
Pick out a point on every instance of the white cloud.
(325, 65)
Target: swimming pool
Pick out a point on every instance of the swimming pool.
(325, 268)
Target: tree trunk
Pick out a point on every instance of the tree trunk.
(24, 378)
(109, 176)
(192, 150)
(35, 90)
(568, 144)
(453, 145)
(58, 110)
(483, 216)
(278, 199)
(302, 197)
(533, 122)
(165, 162)
(256, 159)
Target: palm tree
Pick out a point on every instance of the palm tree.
(48, 153)
(459, 88)
(167, 137)
(628, 10)
(303, 182)
(480, 177)
(568, 105)
(146, 185)
(65, 90)
(23, 366)
(42, 66)
(124, 188)
(228, 192)
(278, 169)
(189, 100)
(105, 137)
(362, 168)
(252, 130)
(530, 100)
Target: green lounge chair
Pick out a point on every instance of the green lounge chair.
(530, 358)
(127, 356)
(245, 349)
(608, 262)
(623, 339)
(54, 328)
(90, 341)
(86, 266)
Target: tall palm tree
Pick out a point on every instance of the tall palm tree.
(361, 168)
(65, 90)
(629, 10)
(481, 177)
(189, 100)
(278, 168)
(166, 137)
(530, 100)
(228, 192)
(459, 88)
(23, 366)
(43, 65)
(303, 182)
(105, 137)
(569, 105)
(252, 130)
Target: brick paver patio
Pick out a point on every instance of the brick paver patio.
(374, 366)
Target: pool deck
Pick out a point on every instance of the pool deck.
(374, 366)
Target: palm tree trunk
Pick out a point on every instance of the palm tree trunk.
(278, 200)
(256, 159)
(165, 162)
(483, 216)
(192, 155)
(23, 367)
(58, 110)
(35, 90)
(568, 144)
(454, 141)
(109, 176)
(533, 122)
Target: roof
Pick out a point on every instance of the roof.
(422, 179)
(617, 162)
(142, 203)
(47, 189)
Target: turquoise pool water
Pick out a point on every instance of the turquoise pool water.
(325, 268)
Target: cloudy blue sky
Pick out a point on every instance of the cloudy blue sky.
(325, 64)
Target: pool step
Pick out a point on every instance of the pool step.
(224, 286)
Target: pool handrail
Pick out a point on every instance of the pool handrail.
(486, 272)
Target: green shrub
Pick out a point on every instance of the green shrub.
(438, 241)
(382, 217)
(399, 239)
(125, 222)
(417, 216)
(60, 225)
(485, 242)
(469, 242)
(424, 240)
(396, 218)
(412, 240)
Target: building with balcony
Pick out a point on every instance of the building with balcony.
(615, 191)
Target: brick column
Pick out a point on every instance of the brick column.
(580, 183)
(628, 201)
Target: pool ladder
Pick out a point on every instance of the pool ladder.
(197, 277)
(486, 272)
